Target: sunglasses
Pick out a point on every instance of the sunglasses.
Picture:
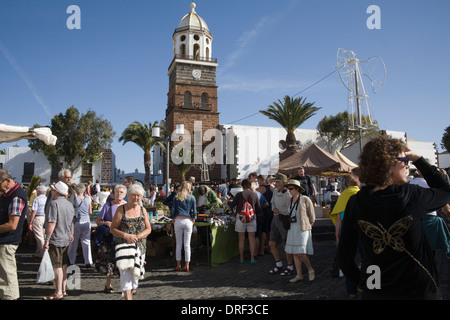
(405, 160)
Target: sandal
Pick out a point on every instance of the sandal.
(108, 290)
(287, 272)
(275, 270)
(53, 296)
(185, 269)
(178, 269)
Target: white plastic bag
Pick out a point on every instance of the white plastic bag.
(45, 272)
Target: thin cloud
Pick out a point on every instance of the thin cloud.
(25, 78)
(250, 35)
(244, 40)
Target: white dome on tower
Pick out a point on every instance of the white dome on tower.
(192, 39)
(193, 21)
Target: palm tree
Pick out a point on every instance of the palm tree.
(34, 183)
(141, 134)
(184, 167)
(290, 114)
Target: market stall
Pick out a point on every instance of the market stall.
(221, 244)
(321, 164)
(313, 158)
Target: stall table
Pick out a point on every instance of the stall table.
(220, 247)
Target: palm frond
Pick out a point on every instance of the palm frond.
(290, 113)
(34, 183)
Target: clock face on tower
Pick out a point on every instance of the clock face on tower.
(196, 74)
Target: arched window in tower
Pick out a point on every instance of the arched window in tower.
(204, 100)
(196, 51)
(187, 99)
(208, 57)
(183, 50)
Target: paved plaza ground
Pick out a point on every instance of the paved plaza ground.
(230, 281)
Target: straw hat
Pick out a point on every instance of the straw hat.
(296, 184)
(61, 188)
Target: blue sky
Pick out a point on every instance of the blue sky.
(117, 63)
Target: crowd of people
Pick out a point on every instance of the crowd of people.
(394, 224)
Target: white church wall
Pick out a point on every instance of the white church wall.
(15, 158)
(258, 147)
(444, 160)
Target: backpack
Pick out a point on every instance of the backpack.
(93, 190)
(247, 213)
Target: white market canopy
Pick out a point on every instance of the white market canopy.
(346, 163)
(13, 133)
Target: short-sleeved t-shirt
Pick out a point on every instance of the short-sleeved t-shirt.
(60, 211)
(39, 205)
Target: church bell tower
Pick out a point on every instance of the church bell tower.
(192, 96)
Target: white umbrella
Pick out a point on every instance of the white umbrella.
(14, 133)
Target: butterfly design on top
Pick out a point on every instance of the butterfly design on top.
(391, 237)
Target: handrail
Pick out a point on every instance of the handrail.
(197, 58)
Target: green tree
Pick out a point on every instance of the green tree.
(445, 142)
(336, 133)
(81, 138)
(141, 134)
(290, 114)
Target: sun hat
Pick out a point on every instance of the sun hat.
(279, 177)
(296, 184)
(61, 188)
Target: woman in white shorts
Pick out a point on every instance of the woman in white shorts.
(246, 224)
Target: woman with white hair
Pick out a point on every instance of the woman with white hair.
(82, 228)
(130, 225)
(37, 219)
